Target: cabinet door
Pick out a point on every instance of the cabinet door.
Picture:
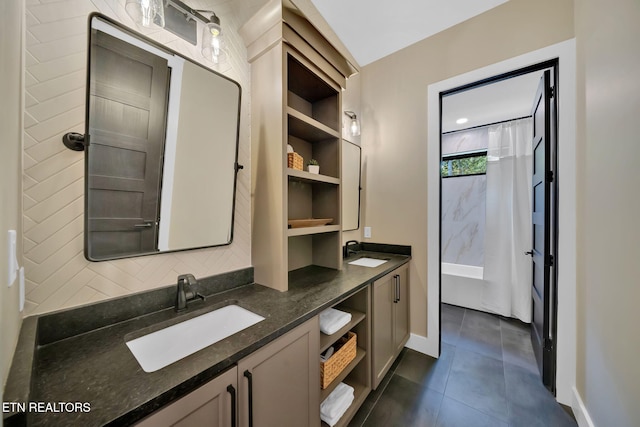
(382, 344)
(279, 384)
(401, 329)
(213, 404)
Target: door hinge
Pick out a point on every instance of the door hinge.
(552, 91)
(548, 344)
(550, 176)
(550, 261)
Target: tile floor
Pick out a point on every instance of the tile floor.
(485, 376)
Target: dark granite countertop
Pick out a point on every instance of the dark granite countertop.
(93, 363)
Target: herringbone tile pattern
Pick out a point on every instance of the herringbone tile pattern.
(57, 275)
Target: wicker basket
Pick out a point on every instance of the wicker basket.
(295, 161)
(330, 369)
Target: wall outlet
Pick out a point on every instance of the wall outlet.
(367, 232)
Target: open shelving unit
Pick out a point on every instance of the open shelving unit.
(313, 130)
(297, 80)
(304, 176)
(357, 373)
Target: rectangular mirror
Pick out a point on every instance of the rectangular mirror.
(162, 151)
(350, 186)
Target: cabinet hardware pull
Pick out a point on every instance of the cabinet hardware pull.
(250, 382)
(395, 289)
(398, 279)
(232, 391)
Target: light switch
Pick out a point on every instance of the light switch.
(367, 232)
(12, 262)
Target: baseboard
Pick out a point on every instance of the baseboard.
(423, 345)
(580, 411)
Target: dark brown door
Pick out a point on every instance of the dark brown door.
(128, 105)
(543, 283)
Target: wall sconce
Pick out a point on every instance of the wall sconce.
(354, 127)
(213, 41)
(181, 20)
(146, 12)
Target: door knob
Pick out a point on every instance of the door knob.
(529, 252)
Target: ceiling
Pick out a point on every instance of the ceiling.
(503, 100)
(373, 29)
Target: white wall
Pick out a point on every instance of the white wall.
(608, 205)
(11, 41)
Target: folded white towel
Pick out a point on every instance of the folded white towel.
(340, 411)
(333, 404)
(331, 320)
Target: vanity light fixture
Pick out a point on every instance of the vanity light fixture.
(213, 41)
(354, 127)
(181, 20)
(146, 12)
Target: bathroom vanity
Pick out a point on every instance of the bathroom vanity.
(80, 355)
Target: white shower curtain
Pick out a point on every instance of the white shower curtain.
(508, 229)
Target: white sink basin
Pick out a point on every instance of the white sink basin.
(161, 348)
(368, 262)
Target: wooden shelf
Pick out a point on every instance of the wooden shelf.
(304, 127)
(360, 393)
(311, 177)
(305, 83)
(306, 231)
(327, 340)
(360, 353)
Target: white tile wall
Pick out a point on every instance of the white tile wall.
(57, 275)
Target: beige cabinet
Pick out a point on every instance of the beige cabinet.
(356, 374)
(279, 384)
(213, 404)
(401, 317)
(297, 78)
(390, 320)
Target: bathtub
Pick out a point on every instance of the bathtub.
(462, 285)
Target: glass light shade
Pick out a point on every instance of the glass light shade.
(355, 126)
(146, 12)
(213, 42)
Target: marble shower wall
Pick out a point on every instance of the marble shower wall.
(463, 218)
(463, 204)
(466, 140)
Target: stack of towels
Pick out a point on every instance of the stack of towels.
(331, 320)
(336, 404)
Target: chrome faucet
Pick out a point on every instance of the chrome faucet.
(185, 294)
(348, 251)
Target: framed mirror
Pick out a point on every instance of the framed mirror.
(351, 185)
(161, 148)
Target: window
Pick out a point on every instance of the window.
(462, 164)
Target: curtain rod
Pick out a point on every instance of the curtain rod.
(488, 124)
